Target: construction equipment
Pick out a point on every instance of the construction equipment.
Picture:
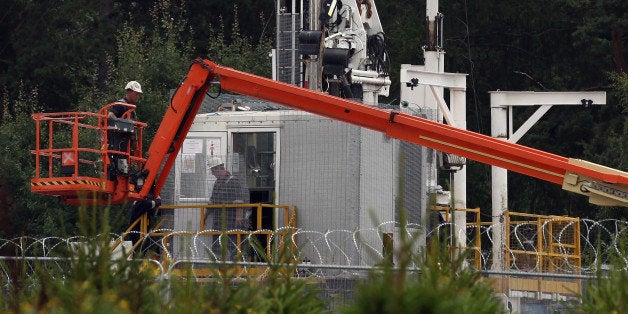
(354, 61)
(146, 176)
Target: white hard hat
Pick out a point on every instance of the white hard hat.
(134, 86)
(214, 161)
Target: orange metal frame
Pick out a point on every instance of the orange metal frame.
(174, 127)
(78, 183)
(442, 137)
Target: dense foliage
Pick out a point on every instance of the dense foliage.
(54, 61)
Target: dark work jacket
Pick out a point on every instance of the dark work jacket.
(119, 110)
(229, 190)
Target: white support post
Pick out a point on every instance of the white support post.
(499, 189)
(455, 115)
(459, 113)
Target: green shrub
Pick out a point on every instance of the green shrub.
(442, 285)
(609, 291)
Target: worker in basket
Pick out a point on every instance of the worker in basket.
(121, 131)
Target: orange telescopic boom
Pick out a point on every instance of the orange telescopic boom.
(603, 186)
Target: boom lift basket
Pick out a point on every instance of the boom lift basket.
(80, 155)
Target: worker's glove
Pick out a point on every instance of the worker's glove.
(156, 202)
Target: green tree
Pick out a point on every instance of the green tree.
(21, 212)
(241, 52)
(621, 84)
(158, 58)
(603, 28)
(50, 50)
(208, 16)
(404, 36)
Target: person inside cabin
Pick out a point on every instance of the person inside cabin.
(227, 189)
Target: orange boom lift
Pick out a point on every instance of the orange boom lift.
(124, 174)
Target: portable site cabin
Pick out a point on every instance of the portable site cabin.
(340, 177)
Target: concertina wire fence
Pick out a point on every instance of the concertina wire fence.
(328, 253)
